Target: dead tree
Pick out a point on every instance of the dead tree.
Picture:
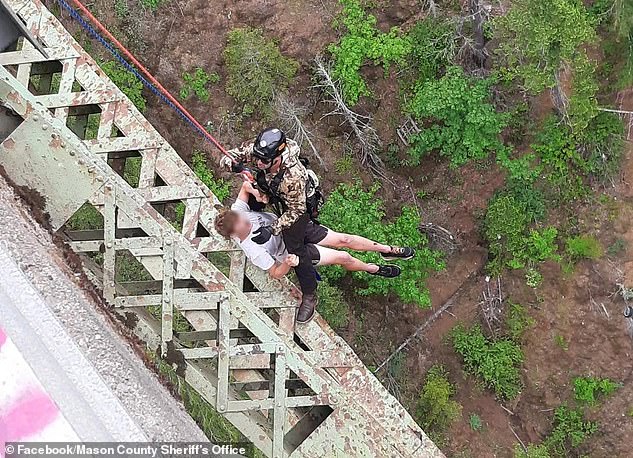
(290, 114)
(491, 306)
(478, 18)
(362, 131)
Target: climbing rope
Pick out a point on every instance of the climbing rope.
(146, 77)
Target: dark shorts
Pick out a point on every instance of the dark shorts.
(314, 234)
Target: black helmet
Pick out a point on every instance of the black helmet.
(269, 144)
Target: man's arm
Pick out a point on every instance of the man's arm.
(293, 189)
(248, 189)
(280, 269)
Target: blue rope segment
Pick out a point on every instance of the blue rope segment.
(96, 35)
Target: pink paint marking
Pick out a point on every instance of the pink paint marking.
(3, 337)
(29, 415)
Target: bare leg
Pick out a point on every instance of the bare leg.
(347, 261)
(352, 242)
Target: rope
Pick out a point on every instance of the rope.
(148, 80)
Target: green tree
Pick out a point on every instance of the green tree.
(256, 69)
(363, 42)
(351, 209)
(537, 36)
(463, 123)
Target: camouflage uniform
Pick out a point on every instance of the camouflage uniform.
(292, 188)
(294, 220)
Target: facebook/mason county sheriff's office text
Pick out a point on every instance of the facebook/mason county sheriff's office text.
(148, 450)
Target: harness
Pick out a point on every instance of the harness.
(314, 194)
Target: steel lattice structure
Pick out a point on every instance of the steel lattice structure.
(291, 391)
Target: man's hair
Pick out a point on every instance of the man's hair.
(225, 223)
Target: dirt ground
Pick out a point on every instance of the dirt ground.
(581, 309)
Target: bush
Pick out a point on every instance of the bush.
(568, 158)
(518, 321)
(218, 186)
(436, 411)
(602, 144)
(537, 36)
(563, 165)
(433, 46)
(583, 247)
(570, 431)
(256, 69)
(533, 451)
(127, 82)
(587, 389)
(332, 306)
(352, 210)
(461, 122)
(511, 241)
(496, 363)
(196, 83)
(86, 218)
(363, 42)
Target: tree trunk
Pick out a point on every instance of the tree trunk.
(479, 52)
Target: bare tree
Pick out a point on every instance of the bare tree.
(289, 114)
(360, 125)
(478, 16)
(491, 306)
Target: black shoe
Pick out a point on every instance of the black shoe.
(307, 308)
(398, 252)
(388, 271)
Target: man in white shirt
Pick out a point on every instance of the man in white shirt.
(241, 222)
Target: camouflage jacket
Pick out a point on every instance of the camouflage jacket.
(292, 188)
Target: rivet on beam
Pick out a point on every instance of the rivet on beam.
(44, 126)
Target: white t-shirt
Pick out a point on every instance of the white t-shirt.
(262, 256)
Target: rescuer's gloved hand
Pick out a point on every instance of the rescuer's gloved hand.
(226, 162)
(262, 235)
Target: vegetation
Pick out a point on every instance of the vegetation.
(533, 451)
(518, 321)
(256, 70)
(332, 305)
(495, 363)
(583, 247)
(464, 125)
(151, 4)
(570, 431)
(363, 42)
(475, 422)
(127, 82)
(220, 188)
(196, 83)
(351, 209)
(537, 37)
(213, 424)
(433, 47)
(512, 241)
(588, 389)
(436, 410)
